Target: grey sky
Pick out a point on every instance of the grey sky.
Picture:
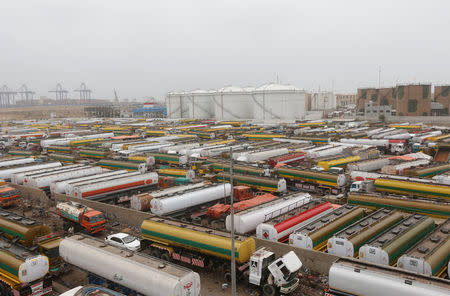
(146, 48)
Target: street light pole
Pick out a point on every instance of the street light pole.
(233, 262)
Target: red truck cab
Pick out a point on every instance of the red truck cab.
(81, 217)
(9, 196)
(93, 221)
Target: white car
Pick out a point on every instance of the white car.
(123, 240)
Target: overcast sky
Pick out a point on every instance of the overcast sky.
(146, 48)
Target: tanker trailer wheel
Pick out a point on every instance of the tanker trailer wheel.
(4, 289)
(156, 253)
(227, 276)
(166, 257)
(269, 290)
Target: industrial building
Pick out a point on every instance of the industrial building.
(343, 100)
(150, 110)
(267, 102)
(408, 99)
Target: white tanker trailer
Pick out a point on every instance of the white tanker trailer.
(17, 161)
(130, 271)
(6, 174)
(178, 202)
(113, 187)
(352, 277)
(247, 220)
(60, 186)
(45, 181)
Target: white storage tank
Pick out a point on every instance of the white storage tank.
(176, 105)
(324, 100)
(233, 102)
(278, 101)
(200, 104)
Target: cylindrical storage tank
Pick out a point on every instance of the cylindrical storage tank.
(172, 172)
(388, 246)
(278, 101)
(26, 176)
(117, 185)
(18, 178)
(198, 239)
(233, 102)
(323, 178)
(16, 161)
(70, 187)
(170, 204)
(347, 242)
(123, 165)
(60, 186)
(430, 255)
(368, 165)
(45, 181)
(358, 278)
(259, 183)
(143, 274)
(141, 202)
(62, 157)
(6, 174)
(20, 153)
(280, 230)
(200, 104)
(149, 160)
(87, 153)
(24, 270)
(264, 155)
(176, 107)
(247, 221)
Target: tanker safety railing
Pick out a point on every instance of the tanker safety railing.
(281, 211)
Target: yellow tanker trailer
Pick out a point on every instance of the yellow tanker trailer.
(194, 245)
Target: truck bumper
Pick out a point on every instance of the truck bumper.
(290, 287)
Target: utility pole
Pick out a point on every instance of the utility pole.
(379, 77)
(233, 262)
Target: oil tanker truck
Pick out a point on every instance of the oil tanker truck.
(81, 217)
(127, 272)
(207, 248)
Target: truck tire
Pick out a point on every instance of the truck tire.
(269, 290)
(4, 289)
(227, 277)
(156, 253)
(166, 257)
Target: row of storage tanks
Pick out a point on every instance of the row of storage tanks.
(267, 102)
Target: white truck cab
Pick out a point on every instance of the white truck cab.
(362, 186)
(274, 274)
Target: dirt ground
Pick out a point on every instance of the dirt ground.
(40, 112)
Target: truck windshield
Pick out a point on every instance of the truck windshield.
(95, 219)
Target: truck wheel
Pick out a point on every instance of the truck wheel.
(166, 257)
(156, 253)
(227, 277)
(269, 290)
(4, 290)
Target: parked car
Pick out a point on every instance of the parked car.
(124, 240)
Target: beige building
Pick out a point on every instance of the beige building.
(407, 100)
(343, 100)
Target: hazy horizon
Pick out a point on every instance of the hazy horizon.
(145, 49)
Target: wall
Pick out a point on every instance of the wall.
(124, 215)
(314, 260)
(437, 120)
(442, 95)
